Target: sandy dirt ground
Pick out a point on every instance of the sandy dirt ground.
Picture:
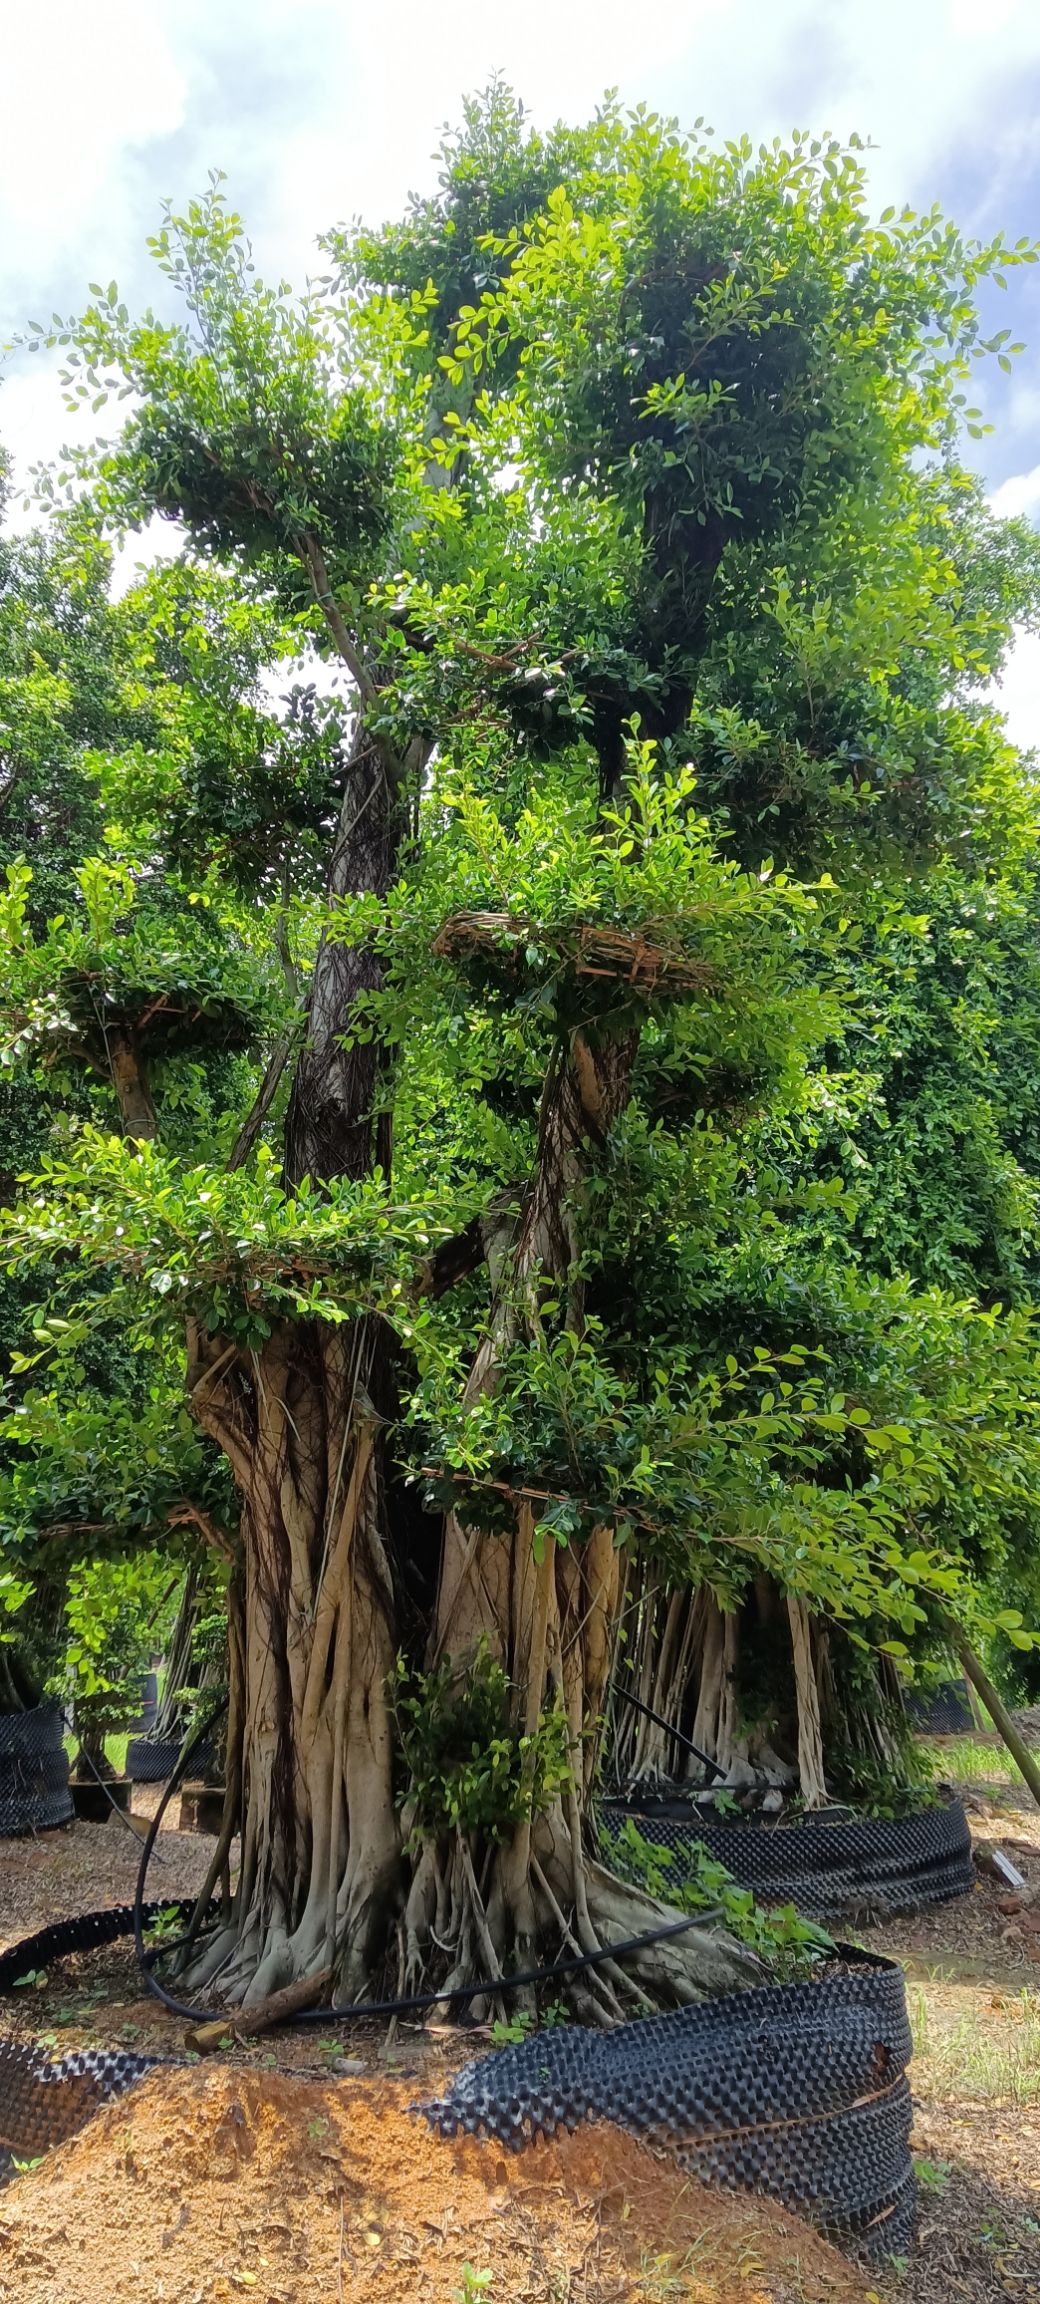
(292, 2170)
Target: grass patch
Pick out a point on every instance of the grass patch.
(115, 1750)
(989, 2054)
(967, 1760)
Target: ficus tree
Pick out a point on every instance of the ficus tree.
(517, 467)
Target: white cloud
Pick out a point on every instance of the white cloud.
(1017, 693)
(319, 110)
(83, 87)
(1018, 496)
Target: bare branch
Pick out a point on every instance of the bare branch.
(454, 1259)
(314, 561)
(265, 1096)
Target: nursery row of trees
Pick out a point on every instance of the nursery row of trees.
(521, 1010)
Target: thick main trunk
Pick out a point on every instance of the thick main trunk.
(324, 1875)
(325, 1879)
(310, 1748)
(548, 1614)
(314, 1617)
(129, 1079)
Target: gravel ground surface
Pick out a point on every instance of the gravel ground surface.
(84, 1867)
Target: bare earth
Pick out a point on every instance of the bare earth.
(214, 2184)
(272, 2174)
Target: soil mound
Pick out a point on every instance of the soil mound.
(208, 2185)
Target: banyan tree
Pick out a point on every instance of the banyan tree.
(529, 469)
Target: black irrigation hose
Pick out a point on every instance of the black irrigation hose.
(406, 2004)
(409, 2003)
(659, 1722)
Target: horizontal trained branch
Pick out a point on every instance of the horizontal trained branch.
(592, 948)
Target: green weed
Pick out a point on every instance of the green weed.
(978, 2056)
(967, 1760)
(510, 2035)
(932, 2175)
(474, 2285)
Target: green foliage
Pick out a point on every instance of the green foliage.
(469, 1765)
(474, 2285)
(513, 2033)
(197, 1698)
(737, 1469)
(107, 710)
(789, 1944)
(572, 913)
(110, 1609)
(14, 1592)
(114, 1465)
(235, 1248)
(244, 430)
(878, 1788)
(70, 991)
(932, 2175)
(166, 1926)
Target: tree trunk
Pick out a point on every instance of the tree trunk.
(169, 1712)
(309, 1778)
(91, 1758)
(136, 1109)
(335, 1125)
(324, 1874)
(548, 1614)
(699, 1667)
(16, 1691)
(310, 1747)
(811, 1777)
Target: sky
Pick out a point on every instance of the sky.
(321, 110)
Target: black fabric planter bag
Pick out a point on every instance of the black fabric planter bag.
(798, 2091)
(34, 1772)
(866, 1864)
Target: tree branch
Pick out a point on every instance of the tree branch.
(454, 1259)
(189, 1515)
(314, 561)
(265, 1096)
